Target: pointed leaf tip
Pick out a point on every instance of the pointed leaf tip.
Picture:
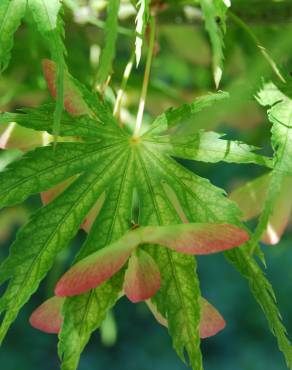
(197, 238)
(98, 267)
(142, 279)
(73, 100)
(48, 316)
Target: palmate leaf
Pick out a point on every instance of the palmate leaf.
(280, 115)
(110, 164)
(11, 14)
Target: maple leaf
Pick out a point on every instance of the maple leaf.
(124, 175)
(274, 204)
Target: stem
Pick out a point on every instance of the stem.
(122, 89)
(256, 41)
(146, 78)
(101, 24)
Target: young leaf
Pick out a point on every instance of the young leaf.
(48, 316)
(11, 13)
(111, 33)
(215, 13)
(142, 278)
(141, 23)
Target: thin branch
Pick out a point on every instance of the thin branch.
(256, 41)
(121, 92)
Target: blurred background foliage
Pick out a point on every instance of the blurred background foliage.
(130, 339)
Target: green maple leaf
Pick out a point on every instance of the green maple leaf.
(111, 166)
(279, 101)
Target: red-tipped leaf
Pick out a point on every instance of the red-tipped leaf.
(196, 238)
(97, 267)
(73, 100)
(142, 278)
(48, 316)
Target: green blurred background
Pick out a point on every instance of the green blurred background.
(130, 338)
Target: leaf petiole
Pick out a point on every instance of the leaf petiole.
(146, 77)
